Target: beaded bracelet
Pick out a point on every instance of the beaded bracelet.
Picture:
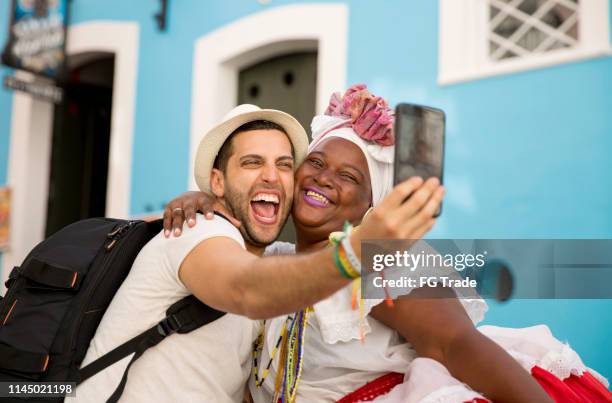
(342, 268)
(348, 248)
(348, 267)
(342, 258)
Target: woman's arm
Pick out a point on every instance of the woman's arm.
(435, 323)
(184, 208)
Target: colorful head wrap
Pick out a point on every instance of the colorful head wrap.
(367, 121)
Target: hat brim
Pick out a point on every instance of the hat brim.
(213, 140)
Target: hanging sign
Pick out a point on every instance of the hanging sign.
(37, 37)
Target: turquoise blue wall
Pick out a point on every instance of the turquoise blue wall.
(527, 153)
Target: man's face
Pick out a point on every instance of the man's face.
(258, 184)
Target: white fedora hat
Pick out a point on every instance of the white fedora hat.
(212, 141)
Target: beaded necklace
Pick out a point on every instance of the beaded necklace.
(291, 339)
(290, 369)
(291, 344)
(292, 350)
(258, 348)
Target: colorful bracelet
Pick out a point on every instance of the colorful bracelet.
(339, 265)
(348, 248)
(352, 272)
(345, 259)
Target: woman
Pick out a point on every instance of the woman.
(348, 170)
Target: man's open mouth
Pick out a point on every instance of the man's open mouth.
(265, 207)
(316, 198)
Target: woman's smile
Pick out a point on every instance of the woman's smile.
(316, 197)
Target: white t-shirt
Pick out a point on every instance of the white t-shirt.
(210, 364)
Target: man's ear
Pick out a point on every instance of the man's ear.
(217, 183)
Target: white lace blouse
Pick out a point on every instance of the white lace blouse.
(335, 360)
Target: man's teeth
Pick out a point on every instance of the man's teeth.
(318, 197)
(266, 197)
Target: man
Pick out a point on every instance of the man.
(247, 161)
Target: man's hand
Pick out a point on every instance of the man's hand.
(186, 206)
(406, 213)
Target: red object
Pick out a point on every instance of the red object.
(589, 388)
(371, 390)
(555, 387)
(575, 389)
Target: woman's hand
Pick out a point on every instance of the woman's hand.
(186, 206)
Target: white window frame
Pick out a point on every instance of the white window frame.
(464, 41)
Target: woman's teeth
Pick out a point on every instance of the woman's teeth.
(318, 197)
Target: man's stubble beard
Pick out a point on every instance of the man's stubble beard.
(238, 204)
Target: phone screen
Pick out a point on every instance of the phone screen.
(419, 142)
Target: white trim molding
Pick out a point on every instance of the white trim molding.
(464, 41)
(32, 129)
(121, 39)
(220, 55)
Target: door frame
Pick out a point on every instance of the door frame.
(220, 55)
(32, 130)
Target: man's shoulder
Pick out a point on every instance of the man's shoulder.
(217, 224)
(204, 229)
(172, 251)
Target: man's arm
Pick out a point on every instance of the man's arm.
(225, 276)
(435, 323)
(222, 274)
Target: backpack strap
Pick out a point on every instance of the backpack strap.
(183, 316)
(190, 313)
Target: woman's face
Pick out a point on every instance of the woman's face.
(331, 186)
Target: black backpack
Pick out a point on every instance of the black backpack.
(57, 297)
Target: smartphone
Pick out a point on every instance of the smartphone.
(419, 143)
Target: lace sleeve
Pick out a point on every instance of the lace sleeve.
(337, 319)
